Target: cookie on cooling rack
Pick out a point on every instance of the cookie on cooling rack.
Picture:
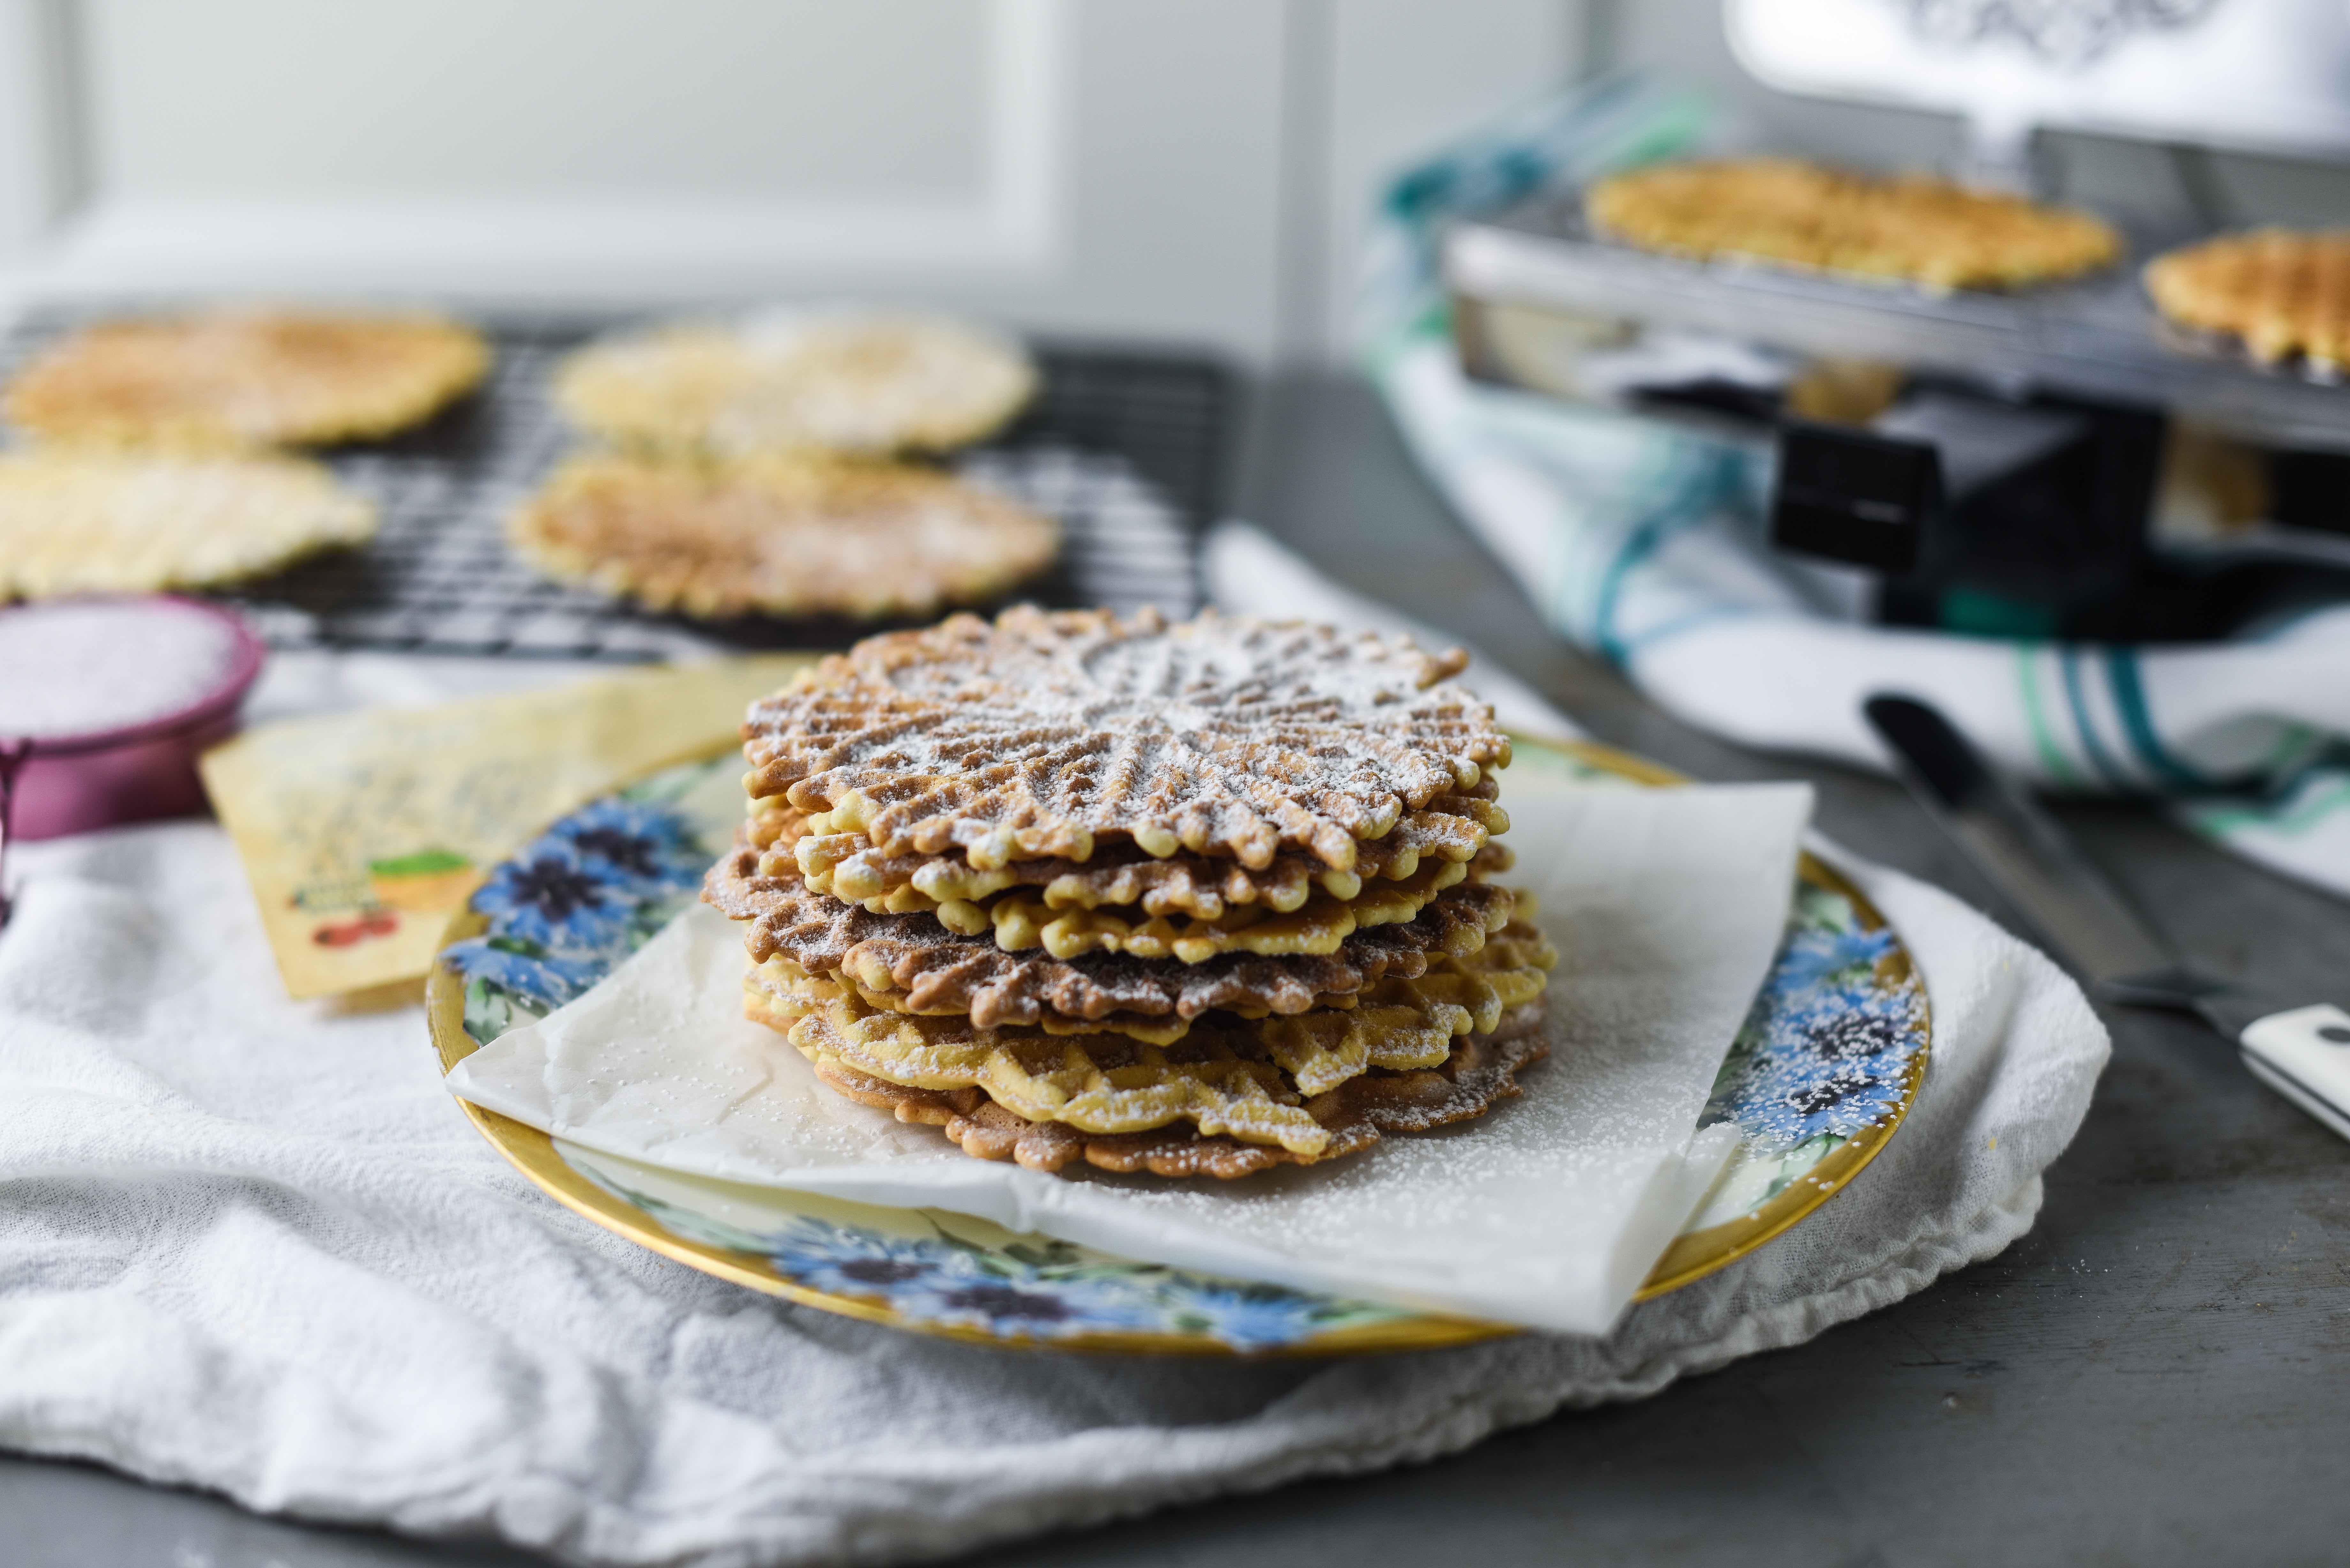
(2281, 292)
(780, 535)
(1913, 227)
(103, 522)
(859, 381)
(1194, 899)
(244, 378)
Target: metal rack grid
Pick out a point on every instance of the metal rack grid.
(1124, 448)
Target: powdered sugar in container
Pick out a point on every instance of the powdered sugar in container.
(106, 703)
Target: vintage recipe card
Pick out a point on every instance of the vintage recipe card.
(363, 833)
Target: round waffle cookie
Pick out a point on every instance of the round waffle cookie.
(95, 523)
(847, 865)
(1019, 922)
(1481, 1070)
(780, 535)
(790, 380)
(1913, 227)
(1392, 1023)
(2280, 291)
(940, 972)
(1043, 733)
(245, 377)
(1068, 906)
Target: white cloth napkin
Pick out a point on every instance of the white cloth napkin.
(250, 1245)
(1666, 904)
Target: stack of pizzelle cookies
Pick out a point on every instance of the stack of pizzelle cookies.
(1193, 899)
(759, 467)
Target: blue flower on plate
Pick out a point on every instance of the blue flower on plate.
(1040, 1307)
(545, 980)
(1819, 955)
(554, 896)
(648, 849)
(1836, 1063)
(1244, 1316)
(939, 1281)
(849, 1260)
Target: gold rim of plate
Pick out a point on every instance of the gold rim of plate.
(1691, 1258)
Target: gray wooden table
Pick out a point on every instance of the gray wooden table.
(2157, 1374)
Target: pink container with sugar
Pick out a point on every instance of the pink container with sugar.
(105, 704)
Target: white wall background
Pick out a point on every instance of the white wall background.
(1191, 170)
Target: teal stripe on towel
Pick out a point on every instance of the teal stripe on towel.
(2137, 722)
(1692, 497)
(2099, 758)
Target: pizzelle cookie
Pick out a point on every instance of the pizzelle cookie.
(230, 379)
(93, 523)
(845, 865)
(944, 971)
(1364, 1027)
(780, 535)
(1042, 734)
(1481, 1072)
(2282, 291)
(1913, 227)
(1068, 908)
(1193, 899)
(870, 382)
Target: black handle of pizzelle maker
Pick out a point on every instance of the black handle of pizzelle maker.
(1854, 497)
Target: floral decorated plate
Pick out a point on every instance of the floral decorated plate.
(1819, 1077)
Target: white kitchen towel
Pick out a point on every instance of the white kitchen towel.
(1666, 907)
(251, 1245)
(1641, 542)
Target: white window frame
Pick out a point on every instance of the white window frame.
(59, 237)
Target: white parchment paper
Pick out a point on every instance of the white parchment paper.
(1666, 906)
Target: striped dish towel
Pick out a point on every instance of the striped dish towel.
(1642, 544)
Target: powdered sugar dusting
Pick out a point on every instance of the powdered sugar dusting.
(70, 669)
(1042, 731)
(840, 378)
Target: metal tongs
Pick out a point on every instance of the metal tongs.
(2299, 1049)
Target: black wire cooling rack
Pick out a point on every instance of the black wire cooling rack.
(1124, 448)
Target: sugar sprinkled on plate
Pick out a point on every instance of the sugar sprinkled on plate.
(75, 669)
